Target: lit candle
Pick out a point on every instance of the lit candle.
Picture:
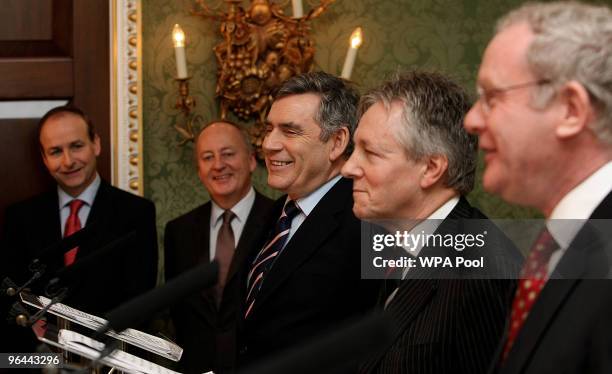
(178, 37)
(298, 11)
(351, 55)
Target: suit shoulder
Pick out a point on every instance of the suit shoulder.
(32, 203)
(127, 198)
(263, 200)
(190, 216)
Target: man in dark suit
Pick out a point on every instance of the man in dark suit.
(205, 323)
(306, 278)
(543, 121)
(412, 166)
(122, 237)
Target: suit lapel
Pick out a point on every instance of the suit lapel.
(50, 227)
(583, 259)
(417, 291)
(549, 302)
(412, 296)
(99, 215)
(250, 235)
(304, 243)
(201, 254)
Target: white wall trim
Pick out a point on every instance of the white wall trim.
(126, 95)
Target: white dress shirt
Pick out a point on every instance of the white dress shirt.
(426, 227)
(86, 196)
(570, 214)
(241, 210)
(308, 203)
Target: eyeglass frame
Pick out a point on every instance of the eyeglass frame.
(485, 96)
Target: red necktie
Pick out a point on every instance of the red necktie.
(533, 278)
(73, 224)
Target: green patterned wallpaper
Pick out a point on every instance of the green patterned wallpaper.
(446, 35)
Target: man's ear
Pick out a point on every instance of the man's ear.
(97, 147)
(578, 110)
(434, 168)
(252, 162)
(340, 140)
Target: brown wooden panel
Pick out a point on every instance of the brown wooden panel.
(92, 70)
(36, 78)
(26, 20)
(22, 173)
(63, 25)
(36, 28)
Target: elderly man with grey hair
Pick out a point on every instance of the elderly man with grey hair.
(544, 119)
(414, 163)
(305, 278)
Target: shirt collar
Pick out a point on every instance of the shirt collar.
(431, 224)
(241, 209)
(567, 218)
(308, 203)
(87, 196)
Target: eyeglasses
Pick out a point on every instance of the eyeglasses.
(485, 97)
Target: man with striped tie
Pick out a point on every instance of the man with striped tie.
(544, 122)
(305, 278)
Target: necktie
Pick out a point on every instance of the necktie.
(224, 251)
(265, 258)
(533, 278)
(73, 224)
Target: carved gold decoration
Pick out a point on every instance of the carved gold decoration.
(185, 104)
(261, 48)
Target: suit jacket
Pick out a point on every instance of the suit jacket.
(121, 271)
(446, 323)
(569, 328)
(315, 282)
(207, 333)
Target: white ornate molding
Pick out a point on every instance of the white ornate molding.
(126, 95)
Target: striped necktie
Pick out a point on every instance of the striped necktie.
(268, 254)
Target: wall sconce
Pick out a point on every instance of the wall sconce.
(261, 48)
(184, 103)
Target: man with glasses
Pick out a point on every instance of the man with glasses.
(544, 121)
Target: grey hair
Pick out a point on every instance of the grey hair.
(572, 41)
(433, 108)
(338, 106)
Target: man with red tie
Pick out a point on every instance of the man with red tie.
(543, 121)
(69, 147)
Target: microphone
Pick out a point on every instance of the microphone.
(351, 342)
(133, 312)
(9, 288)
(19, 315)
(68, 274)
(58, 248)
(22, 316)
(38, 265)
